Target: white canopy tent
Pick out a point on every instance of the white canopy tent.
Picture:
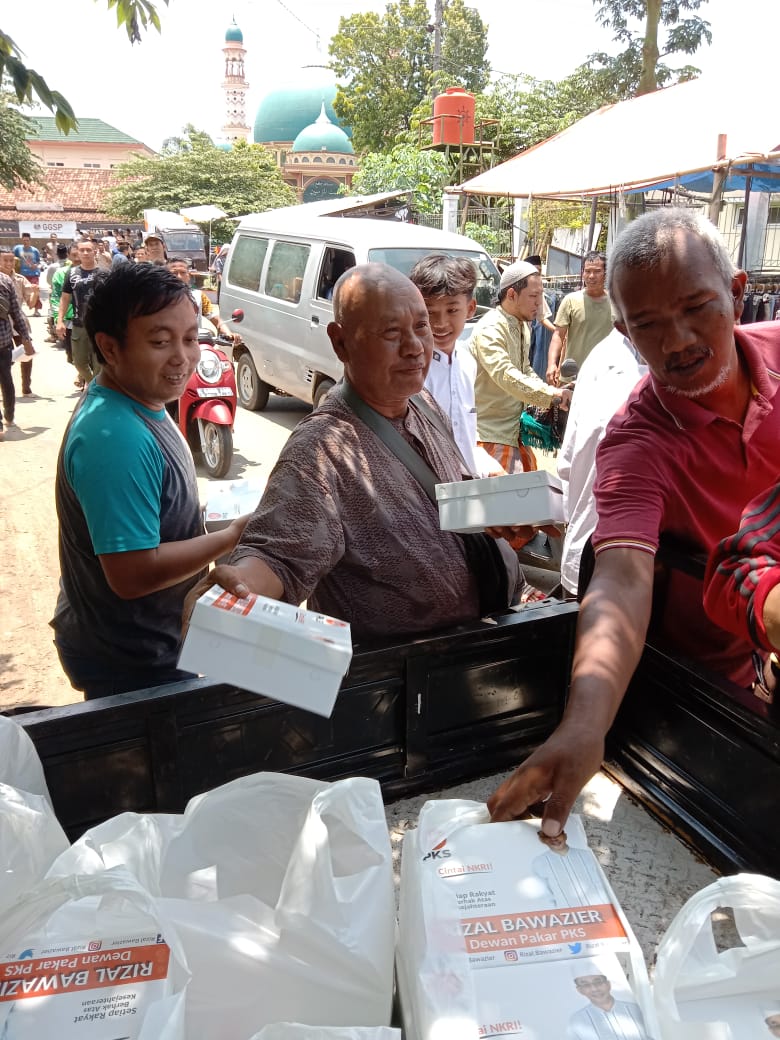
(680, 136)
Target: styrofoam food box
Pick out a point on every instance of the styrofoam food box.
(467, 506)
(229, 499)
(268, 647)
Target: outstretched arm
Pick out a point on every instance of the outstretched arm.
(611, 633)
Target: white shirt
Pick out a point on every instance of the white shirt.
(608, 375)
(450, 381)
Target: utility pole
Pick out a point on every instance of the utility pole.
(438, 18)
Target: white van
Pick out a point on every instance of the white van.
(281, 269)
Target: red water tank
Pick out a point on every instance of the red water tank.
(453, 117)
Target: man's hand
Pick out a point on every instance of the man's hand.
(60, 330)
(564, 400)
(231, 579)
(526, 531)
(553, 374)
(28, 346)
(554, 774)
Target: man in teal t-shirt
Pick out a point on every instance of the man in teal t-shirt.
(131, 535)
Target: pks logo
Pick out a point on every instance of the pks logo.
(94, 945)
(511, 955)
(438, 852)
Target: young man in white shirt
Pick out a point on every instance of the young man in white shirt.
(447, 286)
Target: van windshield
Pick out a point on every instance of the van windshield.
(182, 241)
(404, 259)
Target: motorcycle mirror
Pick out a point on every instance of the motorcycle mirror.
(237, 315)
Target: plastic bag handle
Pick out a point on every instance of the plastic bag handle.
(738, 890)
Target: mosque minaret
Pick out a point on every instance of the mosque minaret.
(235, 87)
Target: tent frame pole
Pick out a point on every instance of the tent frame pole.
(743, 231)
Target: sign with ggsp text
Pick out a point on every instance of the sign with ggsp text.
(63, 229)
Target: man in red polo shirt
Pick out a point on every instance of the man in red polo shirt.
(696, 440)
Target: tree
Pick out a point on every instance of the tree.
(386, 63)
(640, 66)
(405, 167)
(17, 164)
(245, 179)
(135, 15)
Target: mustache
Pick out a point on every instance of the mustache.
(687, 357)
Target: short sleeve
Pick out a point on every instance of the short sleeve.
(630, 492)
(118, 479)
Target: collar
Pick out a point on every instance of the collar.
(688, 414)
(509, 317)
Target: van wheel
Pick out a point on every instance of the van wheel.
(252, 391)
(323, 388)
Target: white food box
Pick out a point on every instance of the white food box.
(229, 499)
(272, 648)
(469, 506)
(98, 990)
(495, 927)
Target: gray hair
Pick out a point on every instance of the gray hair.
(648, 240)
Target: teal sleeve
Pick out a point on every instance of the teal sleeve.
(116, 468)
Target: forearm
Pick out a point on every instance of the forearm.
(141, 573)
(526, 386)
(611, 633)
(63, 308)
(772, 617)
(556, 348)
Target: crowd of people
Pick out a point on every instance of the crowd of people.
(673, 430)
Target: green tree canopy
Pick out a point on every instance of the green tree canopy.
(17, 164)
(242, 180)
(385, 63)
(639, 68)
(27, 84)
(405, 168)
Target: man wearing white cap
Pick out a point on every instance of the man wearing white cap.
(505, 381)
(604, 1017)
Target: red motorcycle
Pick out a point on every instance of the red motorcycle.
(207, 408)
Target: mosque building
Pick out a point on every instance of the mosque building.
(295, 121)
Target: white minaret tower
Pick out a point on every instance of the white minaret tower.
(235, 87)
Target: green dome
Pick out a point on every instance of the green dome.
(287, 110)
(234, 34)
(322, 136)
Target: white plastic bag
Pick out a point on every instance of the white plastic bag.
(31, 838)
(296, 1031)
(703, 994)
(20, 765)
(90, 957)
(281, 890)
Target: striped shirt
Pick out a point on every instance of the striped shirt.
(744, 569)
(15, 314)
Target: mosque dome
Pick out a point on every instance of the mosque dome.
(234, 34)
(323, 136)
(287, 110)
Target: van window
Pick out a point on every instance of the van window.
(334, 263)
(246, 262)
(486, 290)
(286, 270)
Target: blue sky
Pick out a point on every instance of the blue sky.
(151, 90)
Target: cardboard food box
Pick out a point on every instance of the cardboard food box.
(229, 499)
(468, 506)
(99, 990)
(275, 649)
(501, 935)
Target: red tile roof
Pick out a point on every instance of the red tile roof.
(78, 192)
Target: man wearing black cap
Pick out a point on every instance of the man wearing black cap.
(505, 380)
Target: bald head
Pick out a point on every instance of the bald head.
(358, 287)
(382, 334)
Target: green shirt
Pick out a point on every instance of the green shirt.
(588, 322)
(505, 380)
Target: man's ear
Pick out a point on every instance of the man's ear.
(471, 309)
(108, 346)
(738, 283)
(336, 334)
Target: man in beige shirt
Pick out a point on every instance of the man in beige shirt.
(505, 380)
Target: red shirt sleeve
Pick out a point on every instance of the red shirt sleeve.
(744, 568)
